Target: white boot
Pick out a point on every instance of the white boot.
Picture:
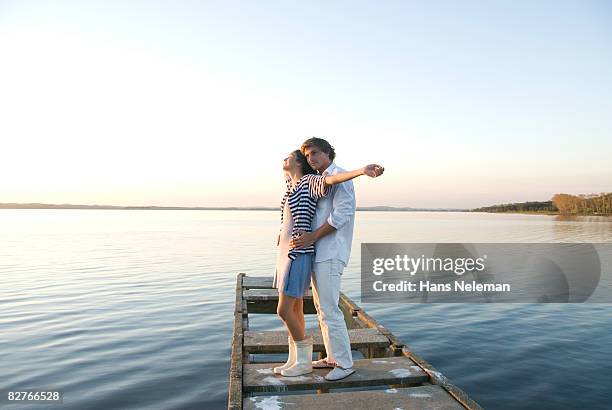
(291, 359)
(303, 362)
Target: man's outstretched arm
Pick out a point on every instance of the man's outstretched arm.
(372, 170)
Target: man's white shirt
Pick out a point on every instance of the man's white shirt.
(337, 209)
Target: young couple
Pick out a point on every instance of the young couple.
(318, 214)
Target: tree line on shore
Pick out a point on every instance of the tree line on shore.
(592, 204)
(583, 204)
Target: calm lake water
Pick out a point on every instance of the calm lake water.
(134, 309)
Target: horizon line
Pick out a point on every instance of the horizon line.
(38, 205)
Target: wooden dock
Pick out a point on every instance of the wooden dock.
(389, 377)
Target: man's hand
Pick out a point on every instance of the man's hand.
(373, 170)
(303, 240)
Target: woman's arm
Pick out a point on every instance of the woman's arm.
(372, 170)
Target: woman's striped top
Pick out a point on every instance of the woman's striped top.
(302, 201)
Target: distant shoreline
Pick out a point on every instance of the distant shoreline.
(206, 208)
(518, 212)
(560, 204)
(14, 206)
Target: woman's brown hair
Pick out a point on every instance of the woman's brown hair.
(306, 168)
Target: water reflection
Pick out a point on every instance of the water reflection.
(577, 228)
(583, 218)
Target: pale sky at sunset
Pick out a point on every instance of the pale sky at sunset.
(193, 103)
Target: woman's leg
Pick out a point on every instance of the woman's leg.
(303, 345)
(286, 311)
(298, 310)
(292, 357)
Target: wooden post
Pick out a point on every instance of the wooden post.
(235, 382)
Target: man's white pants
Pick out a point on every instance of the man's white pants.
(326, 295)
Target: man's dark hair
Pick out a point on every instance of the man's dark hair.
(321, 144)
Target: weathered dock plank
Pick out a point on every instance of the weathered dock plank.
(265, 300)
(269, 307)
(408, 398)
(276, 341)
(257, 282)
(369, 372)
(265, 295)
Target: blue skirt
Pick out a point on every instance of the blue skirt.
(297, 279)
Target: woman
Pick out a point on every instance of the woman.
(293, 266)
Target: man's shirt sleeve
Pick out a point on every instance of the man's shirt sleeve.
(344, 205)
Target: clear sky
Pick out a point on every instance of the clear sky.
(194, 103)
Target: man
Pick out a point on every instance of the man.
(332, 235)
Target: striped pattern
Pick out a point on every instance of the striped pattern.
(302, 200)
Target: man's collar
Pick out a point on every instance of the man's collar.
(329, 169)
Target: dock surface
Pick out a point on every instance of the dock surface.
(389, 376)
